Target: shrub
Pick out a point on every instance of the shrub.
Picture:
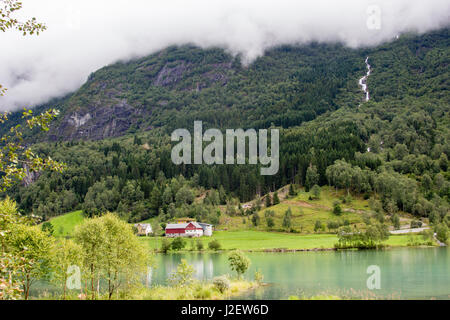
(287, 218)
(47, 227)
(165, 245)
(269, 214)
(416, 224)
(214, 245)
(337, 210)
(183, 275)
(442, 232)
(270, 223)
(202, 293)
(259, 277)
(315, 192)
(333, 225)
(395, 221)
(199, 245)
(255, 219)
(178, 243)
(427, 236)
(379, 215)
(221, 283)
(318, 226)
(366, 218)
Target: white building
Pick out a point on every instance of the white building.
(144, 229)
(207, 229)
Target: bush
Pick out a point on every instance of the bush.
(366, 218)
(47, 227)
(199, 245)
(318, 226)
(427, 236)
(221, 283)
(395, 221)
(178, 243)
(183, 275)
(337, 210)
(379, 215)
(202, 293)
(287, 218)
(333, 225)
(214, 245)
(416, 224)
(165, 245)
(259, 277)
(315, 191)
(270, 223)
(255, 219)
(442, 232)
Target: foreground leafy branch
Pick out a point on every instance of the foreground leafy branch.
(18, 160)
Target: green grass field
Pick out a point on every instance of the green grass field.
(260, 241)
(305, 213)
(65, 224)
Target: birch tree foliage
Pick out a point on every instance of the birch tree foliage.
(8, 8)
(16, 160)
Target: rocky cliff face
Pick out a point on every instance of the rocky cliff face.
(114, 100)
(97, 122)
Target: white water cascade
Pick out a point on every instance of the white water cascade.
(363, 81)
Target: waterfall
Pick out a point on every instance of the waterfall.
(363, 81)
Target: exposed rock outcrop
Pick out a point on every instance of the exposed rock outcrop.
(98, 122)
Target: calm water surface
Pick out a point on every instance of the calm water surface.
(407, 273)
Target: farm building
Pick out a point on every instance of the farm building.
(143, 229)
(207, 229)
(189, 229)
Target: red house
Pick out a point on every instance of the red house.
(190, 229)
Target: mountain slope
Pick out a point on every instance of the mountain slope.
(393, 149)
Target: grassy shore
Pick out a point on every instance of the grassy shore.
(197, 291)
(265, 241)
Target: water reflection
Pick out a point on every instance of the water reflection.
(406, 273)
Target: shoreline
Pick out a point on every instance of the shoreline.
(284, 250)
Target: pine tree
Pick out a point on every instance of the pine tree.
(268, 201)
(287, 219)
(276, 200)
(292, 190)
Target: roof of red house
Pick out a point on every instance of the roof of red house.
(182, 225)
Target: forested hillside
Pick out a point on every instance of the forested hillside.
(114, 132)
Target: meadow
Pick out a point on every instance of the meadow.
(260, 241)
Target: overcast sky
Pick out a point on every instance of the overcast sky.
(85, 35)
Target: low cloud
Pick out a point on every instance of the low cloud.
(85, 35)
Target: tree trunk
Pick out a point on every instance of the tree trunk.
(64, 289)
(92, 282)
(27, 289)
